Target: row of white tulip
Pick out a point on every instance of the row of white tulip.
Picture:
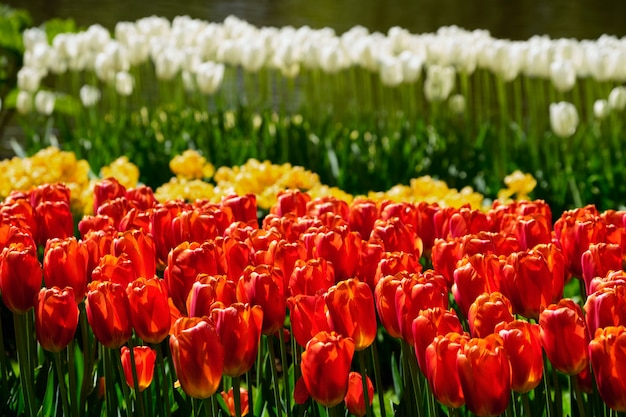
(184, 44)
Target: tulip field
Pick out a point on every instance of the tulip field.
(215, 219)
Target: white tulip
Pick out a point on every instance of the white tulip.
(56, 63)
(562, 75)
(24, 102)
(439, 82)
(89, 95)
(28, 79)
(209, 76)
(96, 37)
(189, 81)
(34, 36)
(563, 118)
(332, 58)
(168, 63)
(457, 104)
(601, 109)
(412, 65)
(391, 71)
(253, 55)
(38, 56)
(124, 83)
(104, 68)
(44, 102)
(617, 98)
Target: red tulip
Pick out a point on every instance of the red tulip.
(445, 255)
(598, 260)
(263, 285)
(363, 215)
(56, 318)
(236, 257)
(605, 307)
(108, 313)
(475, 275)
(106, 190)
(20, 276)
(307, 315)
(65, 264)
(429, 324)
(118, 269)
(54, 220)
(523, 347)
(144, 366)
(385, 297)
(229, 399)
(239, 329)
(355, 400)
(242, 208)
(198, 356)
(607, 352)
(312, 276)
(290, 201)
(325, 367)
(139, 246)
(149, 308)
(341, 247)
(351, 311)
(564, 336)
(184, 263)
(441, 370)
(484, 372)
(141, 197)
(391, 263)
(534, 279)
(487, 311)
(395, 236)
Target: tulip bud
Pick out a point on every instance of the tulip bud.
(563, 119)
(144, 366)
(56, 318)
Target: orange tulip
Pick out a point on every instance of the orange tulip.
(56, 318)
(229, 399)
(65, 264)
(118, 269)
(564, 336)
(385, 297)
(149, 308)
(351, 311)
(325, 367)
(441, 370)
(108, 313)
(239, 329)
(144, 366)
(485, 375)
(355, 400)
(20, 276)
(523, 347)
(487, 311)
(198, 356)
(607, 352)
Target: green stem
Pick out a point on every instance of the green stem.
(125, 389)
(286, 385)
(21, 339)
(366, 394)
(377, 378)
(138, 393)
(58, 364)
(71, 359)
(3, 368)
(108, 380)
(164, 385)
(279, 407)
(408, 356)
(209, 406)
(237, 396)
(558, 397)
(526, 404)
(579, 396)
(89, 352)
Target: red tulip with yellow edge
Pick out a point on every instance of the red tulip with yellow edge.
(20, 276)
(239, 329)
(487, 311)
(485, 375)
(351, 311)
(564, 336)
(198, 356)
(108, 313)
(355, 400)
(523, 347)
(149, 308)
(325, 367)
(65, 264)
(441, 370)
(145, 358)
(607, 352)
(56, 318)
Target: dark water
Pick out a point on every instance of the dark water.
(507, 19)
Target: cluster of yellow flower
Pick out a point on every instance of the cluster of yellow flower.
(196, 178)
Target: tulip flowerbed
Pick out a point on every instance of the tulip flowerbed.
(321, 307)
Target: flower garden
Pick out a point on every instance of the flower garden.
(212, 218)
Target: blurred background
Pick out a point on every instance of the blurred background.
(515, 20)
